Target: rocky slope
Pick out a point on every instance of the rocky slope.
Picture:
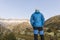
(53, 22)
(22, 30)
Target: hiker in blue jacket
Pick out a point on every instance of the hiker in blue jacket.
(37, 21)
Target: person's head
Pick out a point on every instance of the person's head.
(36, 10)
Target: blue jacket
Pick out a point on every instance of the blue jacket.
(37, 19)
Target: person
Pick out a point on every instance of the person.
(37, 21)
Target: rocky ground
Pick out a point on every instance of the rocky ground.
(24, 31)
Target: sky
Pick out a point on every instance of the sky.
(23, 9)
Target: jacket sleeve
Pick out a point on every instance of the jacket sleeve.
(43, 19)
(31, 20)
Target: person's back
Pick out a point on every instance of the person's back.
(37, 18)
(37, 21)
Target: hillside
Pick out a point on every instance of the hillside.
(53, 22)
(12, 23)
(22, 30)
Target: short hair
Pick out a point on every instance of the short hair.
(36, 10)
